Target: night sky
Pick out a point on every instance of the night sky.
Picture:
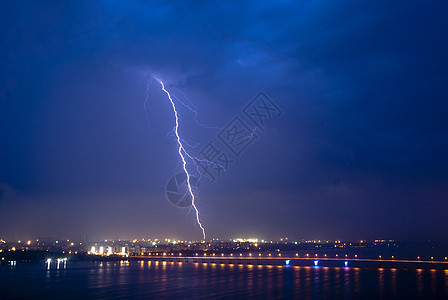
(359, 151)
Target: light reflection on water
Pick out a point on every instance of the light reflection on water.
(393, 281)
(446, 282)
(146, 279)
(420, 282)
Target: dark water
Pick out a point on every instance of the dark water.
(144, 280)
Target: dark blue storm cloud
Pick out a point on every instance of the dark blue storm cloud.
(359, 151)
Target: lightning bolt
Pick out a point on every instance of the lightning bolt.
(182, 153)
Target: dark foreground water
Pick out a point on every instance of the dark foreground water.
(151, 280)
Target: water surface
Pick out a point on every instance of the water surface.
(145, 280)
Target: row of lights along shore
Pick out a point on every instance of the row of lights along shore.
(277, 255)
